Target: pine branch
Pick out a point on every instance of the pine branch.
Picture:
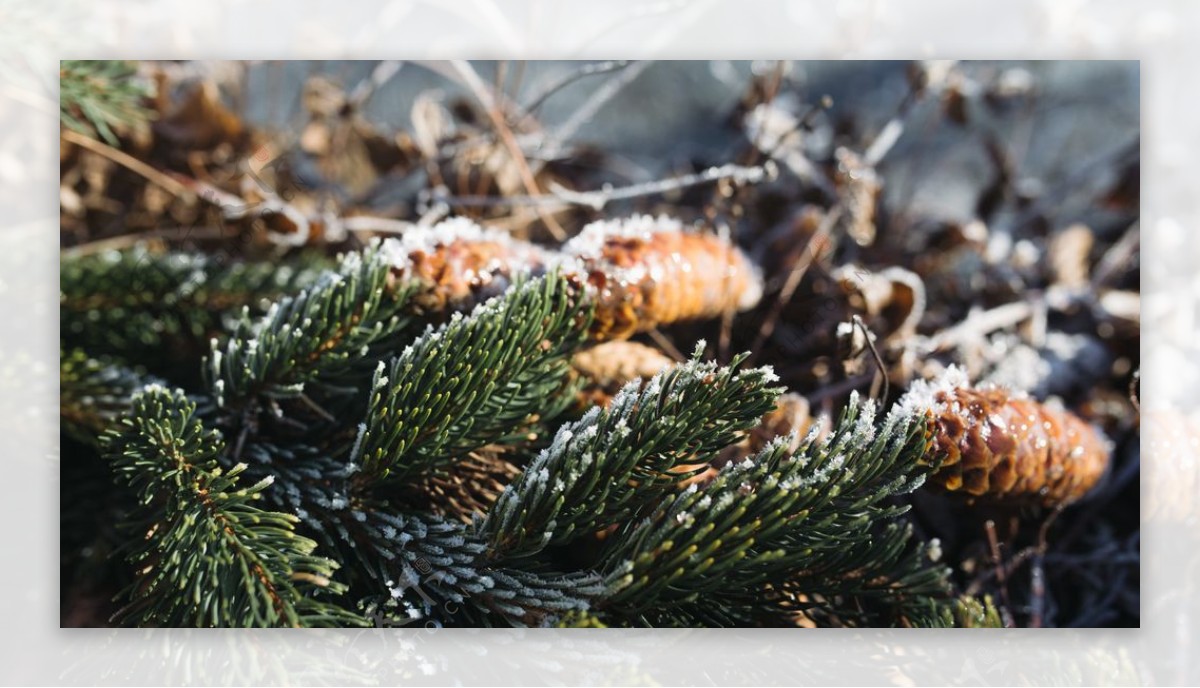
(438, 570)
(486, 378)
(323, 336)
(204, 555)
(408, 567)
(94, 393)
(596, 526)
(896, 584)
(813, 523)
(98, 96)
(704, 539)
(602, 468)
(162, 309)
(409, 560)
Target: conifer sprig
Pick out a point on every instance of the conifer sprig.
(434, 569)
(98, 96)
(481, 379)
(770, 518)
(95, 392)
(601, 469)
(319, 335)
(595, 524)
(161, 309)
(203, 553)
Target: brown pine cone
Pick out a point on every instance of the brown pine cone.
(1002, 447)
(644, 272)
(641, 272)
(607, 367)
(460, 264)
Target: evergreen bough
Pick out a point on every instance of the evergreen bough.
(203, 553)
(283, 487)
(100, 97)
(161, 309)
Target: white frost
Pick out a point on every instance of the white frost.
(922, 396)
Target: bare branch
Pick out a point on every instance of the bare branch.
(587, 70)
(486, 98)
(552, 144)
(127, 161)
(977, 324)
(561, 197)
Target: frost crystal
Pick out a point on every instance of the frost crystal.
(561, 440)
(362, 431)
(922, 396)
(397, 252)
(864, 425)
(589, 243)
(935, 549)
(769, 375)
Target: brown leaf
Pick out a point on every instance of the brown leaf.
(200, 121)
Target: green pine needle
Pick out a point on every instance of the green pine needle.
(161, 309)
(766, 524)
(320, 335)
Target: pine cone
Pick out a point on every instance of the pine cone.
(460, 264)
(1006, 448)
(644, 272)
(607, 367)
(641, 272)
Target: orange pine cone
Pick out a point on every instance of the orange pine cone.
(644, 272)
(641, 272)
(1002, 447)
(460, 264)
